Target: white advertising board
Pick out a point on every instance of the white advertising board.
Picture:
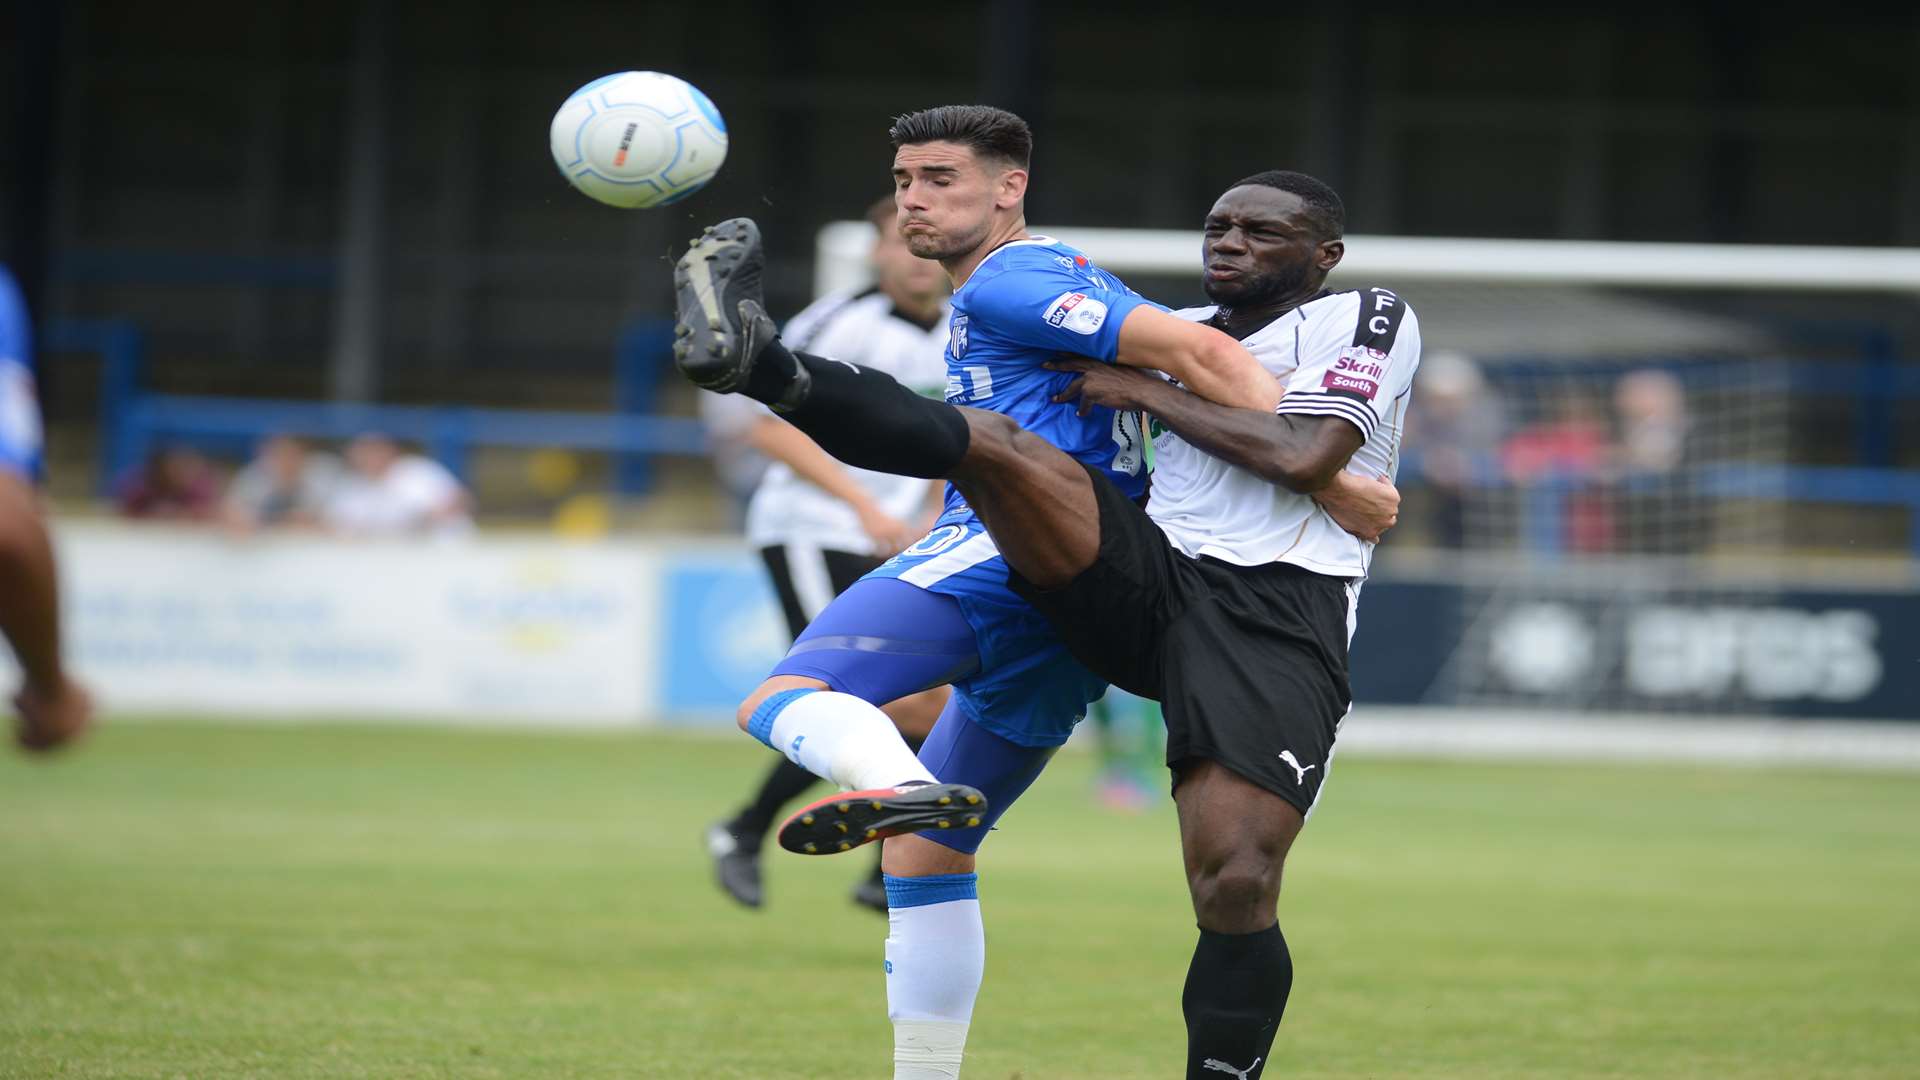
(197, 621)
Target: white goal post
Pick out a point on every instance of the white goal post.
(840, 258)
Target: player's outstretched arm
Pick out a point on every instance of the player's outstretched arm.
(1307, 454)
(783, 442)
(1299, 453)
(1206, 361)
(29, 604)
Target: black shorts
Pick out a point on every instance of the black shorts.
(1249, 663)
(808, 578)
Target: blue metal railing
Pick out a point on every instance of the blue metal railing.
(133, 423)
(448, 432)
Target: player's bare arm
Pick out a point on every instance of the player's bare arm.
(1210, 363)
(1307, 454)
(52, 708)
(783, 442)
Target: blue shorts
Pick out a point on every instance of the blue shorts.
(942, 612)
(883, 639)
(959, 751)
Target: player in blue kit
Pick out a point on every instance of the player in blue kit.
(942, 611)
(52, 709)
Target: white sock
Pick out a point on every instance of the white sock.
(838, 737)
(936, 954)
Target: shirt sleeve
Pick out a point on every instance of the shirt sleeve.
(801, 331)
(1046, 309)
(19, 407)
(1355, 362)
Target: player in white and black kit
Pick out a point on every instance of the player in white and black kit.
(820, 526)
(1231, 598)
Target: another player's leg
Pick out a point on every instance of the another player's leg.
(735, 842)
(936, 941)
(1235, 836)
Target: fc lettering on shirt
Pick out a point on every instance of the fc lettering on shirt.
(1362, 366)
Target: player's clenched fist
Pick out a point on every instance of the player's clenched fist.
(49, 718)
(1110, 385)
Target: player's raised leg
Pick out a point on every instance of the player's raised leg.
(727, 343)
(1037, 501)
(735, 842)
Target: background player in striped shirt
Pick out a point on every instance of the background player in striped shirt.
(820, 526)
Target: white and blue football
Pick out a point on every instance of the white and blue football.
(638, 139)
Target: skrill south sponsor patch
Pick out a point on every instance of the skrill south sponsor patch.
(1357, 371)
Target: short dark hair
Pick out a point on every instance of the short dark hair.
(990, 132)
(880, 212)
(1329, 214)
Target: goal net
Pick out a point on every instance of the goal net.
(1603, 461)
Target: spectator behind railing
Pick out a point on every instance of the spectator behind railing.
(286, 485)
(1651, 407)
(1458, 429)
(175, 484)
(1564, 460)
(1660, 511)
(389, 492)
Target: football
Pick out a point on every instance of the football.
(638, 139)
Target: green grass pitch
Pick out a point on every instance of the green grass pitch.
(182, 900)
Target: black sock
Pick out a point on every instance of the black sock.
(785, 782)
(869, 421)
(771, 375)
(1236, 990)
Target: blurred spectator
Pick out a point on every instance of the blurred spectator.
(1651, 406)
(1658, 506)
(1571, 444)
(388, 492)
(176, 484)
(1457, 430)
(285, 485)
(1563, 461)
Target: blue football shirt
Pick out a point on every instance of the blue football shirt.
(19, 411)
(1026, 303)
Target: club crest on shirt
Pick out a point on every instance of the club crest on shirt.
(1077, 312)
(1358, 370)
(957, 336)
